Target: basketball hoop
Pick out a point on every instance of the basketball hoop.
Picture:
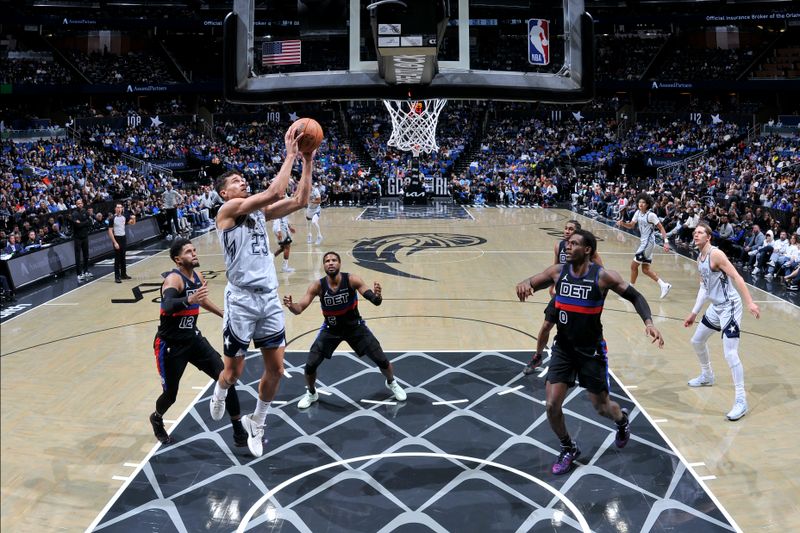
(414, 124)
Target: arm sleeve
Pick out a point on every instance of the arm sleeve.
(170, 302)
(639, 303)
(372, 297)
(701, 299)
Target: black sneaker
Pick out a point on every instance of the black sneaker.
(239, 434)
(159, 431)
(567, 456)
(117, 280)
(535, 361)
(623, 432)
(125, 276)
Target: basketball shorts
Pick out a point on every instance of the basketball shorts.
(644, 254)
(284, 242)
(172, 357)
(550, 312)
(359, 337)
(567, 365)
(251, 315)
(311, 211)
(725, 318)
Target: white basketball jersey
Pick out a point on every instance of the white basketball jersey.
(647, 223)
(247, 256)
(718, 286)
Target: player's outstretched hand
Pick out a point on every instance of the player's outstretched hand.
(200, 295)
(689, 320)
(309, 157)
(654, 334)
(524, 290)
(376, 288)
(291, 142)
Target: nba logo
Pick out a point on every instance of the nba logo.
(538, 42)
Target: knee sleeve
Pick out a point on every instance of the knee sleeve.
(375, 352)
(313, 362)
(699, 342)
(731, 348)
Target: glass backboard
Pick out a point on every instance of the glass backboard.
(321, 50)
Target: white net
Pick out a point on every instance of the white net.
(414, 124)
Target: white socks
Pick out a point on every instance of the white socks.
(260, 414)
(219, 392)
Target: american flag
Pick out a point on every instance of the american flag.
(280, 53)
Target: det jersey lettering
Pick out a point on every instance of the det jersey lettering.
(336, 299)
(573, 290)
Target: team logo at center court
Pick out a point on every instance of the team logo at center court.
(539, 42)
(383, 254)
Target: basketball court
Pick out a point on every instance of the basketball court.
(470, 446)
(471, 449)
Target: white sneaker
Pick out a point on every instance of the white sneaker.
(88, 275)
(319, 239)
(739, 409)
(665, 290)
(308, 239)
(307, 399)
(287, 269)
(399, 394)
(217, 408)
(756, 271)
(703, 380)
(81, 277)
(255, 436)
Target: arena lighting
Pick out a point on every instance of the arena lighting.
(82, 5)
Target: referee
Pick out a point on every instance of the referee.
(116, 230)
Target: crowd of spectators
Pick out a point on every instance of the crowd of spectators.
(626, 56)
(30, 70)
(134, 67)
(689, 63)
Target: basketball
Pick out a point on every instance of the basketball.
(313, 134)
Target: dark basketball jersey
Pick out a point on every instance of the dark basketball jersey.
(562, 252)
(181, 324)
(579, 303)
(339, 307)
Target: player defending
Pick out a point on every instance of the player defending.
(283, 230)
(252, 308)
(579, 349)
(313, 211)
(723, 315)
(343, 322)
(550, 315)
(647, 222)
(179, 342)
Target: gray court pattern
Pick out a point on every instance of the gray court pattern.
(204, 483)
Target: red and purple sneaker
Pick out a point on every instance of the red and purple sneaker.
(623, 432)
(567, 456)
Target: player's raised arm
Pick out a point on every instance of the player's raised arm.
(298, 307)
(374, 295)
(610, 279)
(538, 281)
(233, 188)
(299, 199)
